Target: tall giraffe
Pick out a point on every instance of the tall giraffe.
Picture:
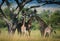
(44, 28)
(43, 25)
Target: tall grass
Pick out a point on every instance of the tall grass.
(35, 36)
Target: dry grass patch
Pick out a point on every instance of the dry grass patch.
(35, 36)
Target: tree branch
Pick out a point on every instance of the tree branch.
(2, 2)
(49, 1)
(2, 12)
(22, 4)
(8, 4)
(37, 6)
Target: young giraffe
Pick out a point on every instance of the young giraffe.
(23, 27)
(28, 25)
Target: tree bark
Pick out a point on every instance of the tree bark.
(9, 25)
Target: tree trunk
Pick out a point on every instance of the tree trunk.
(11, 27)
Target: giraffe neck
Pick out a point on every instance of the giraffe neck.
(41, 22)
(30, 20)
(24, 19)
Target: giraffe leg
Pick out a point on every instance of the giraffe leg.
(29, 31)
(45, 34)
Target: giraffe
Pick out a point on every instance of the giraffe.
(26, 26)
(43, 25)
(44, 28)
(29, 24)
(23, 27)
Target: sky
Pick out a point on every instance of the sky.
(33, 3)
(51, 7)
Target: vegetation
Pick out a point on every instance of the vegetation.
(35, 36)
(10, 18)
(51, 18)
(54, 19)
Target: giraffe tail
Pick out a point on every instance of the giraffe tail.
(54, 31)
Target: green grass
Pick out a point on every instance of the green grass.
(35, 36)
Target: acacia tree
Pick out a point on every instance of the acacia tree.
(21, 3)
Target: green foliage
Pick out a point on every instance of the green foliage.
(2, 23)
(56, 17)
(45, 16)
(7, 12)
(52, 18)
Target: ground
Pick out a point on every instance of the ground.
(35, 36)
